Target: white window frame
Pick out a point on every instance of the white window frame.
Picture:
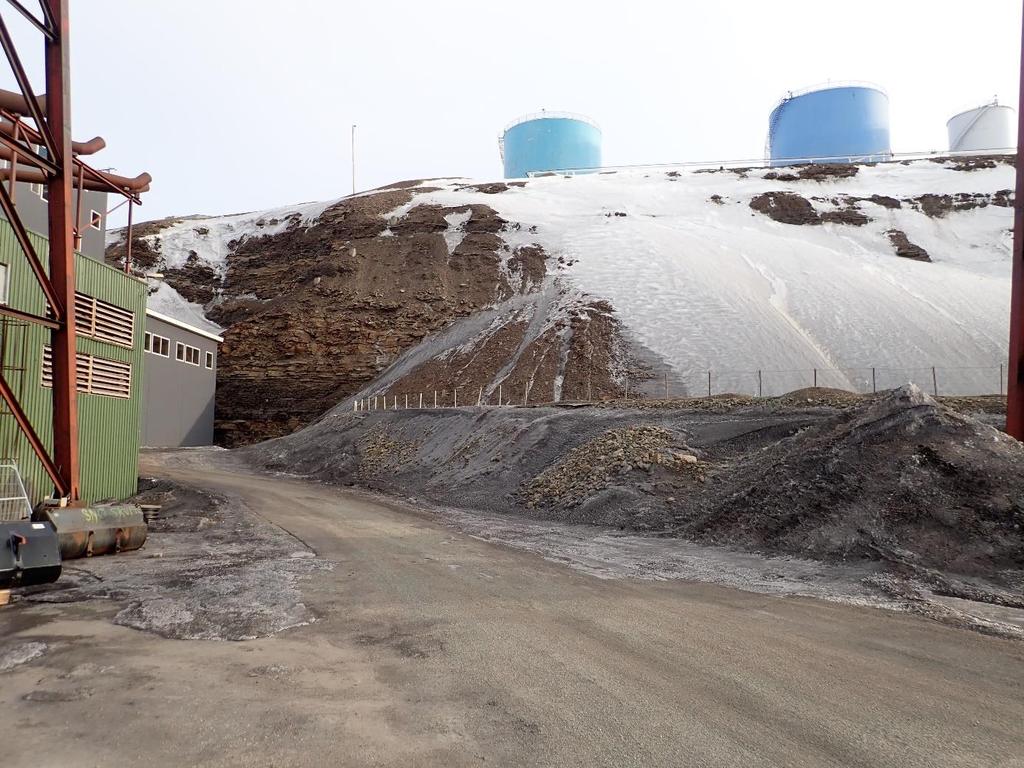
(5, 282)
(209, 361)
(95, 219)
(184, 353)
(161, 341)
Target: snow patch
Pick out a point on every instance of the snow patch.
(455, 234)
(168, 301)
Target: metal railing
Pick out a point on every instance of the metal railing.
(14, 503)
(546, 114)
(762, 163)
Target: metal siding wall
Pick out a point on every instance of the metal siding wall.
(108, 427)
(178, 401)
(836, 122)
(551, 144)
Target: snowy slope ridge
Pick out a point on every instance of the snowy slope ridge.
(707, 283)
(213, 238)
(702, 281)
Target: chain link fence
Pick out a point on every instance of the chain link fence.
(766, 382)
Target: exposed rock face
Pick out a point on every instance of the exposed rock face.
(905, 248)
(315, 313)
(786, 208)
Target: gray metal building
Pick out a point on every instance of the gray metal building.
(179, 383)
(92, 215)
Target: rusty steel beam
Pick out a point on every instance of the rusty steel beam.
(31, 102)
(62, 255)
(12, 148)
(21, 235)
(7, 394)
(128, 242)
(28, 317)
(51, 23)
(40, 25)
(1015, 388)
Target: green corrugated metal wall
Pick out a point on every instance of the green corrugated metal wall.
(108, 426)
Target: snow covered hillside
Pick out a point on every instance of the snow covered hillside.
(562, 287)
(708, 283)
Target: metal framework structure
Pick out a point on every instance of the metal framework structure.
(43, 153)
(1015, 385)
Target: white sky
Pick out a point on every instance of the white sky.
(237, 105)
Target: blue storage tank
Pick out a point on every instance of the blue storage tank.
(842, 123)
(549, 141)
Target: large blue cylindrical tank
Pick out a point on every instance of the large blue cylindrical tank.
(836, 124)
(550, 141)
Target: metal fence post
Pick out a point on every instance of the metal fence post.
(935, 382)
(815, 378)
(435, 398)
(1000, 379)
(455, 398)
(480, 397)
(760, 390)
(666, 385)
(874, 388)
(499, 395)
(407, 402)
(709, 383)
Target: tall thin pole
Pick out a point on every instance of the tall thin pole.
(62, 256)
(1015, 388)
(353, 158)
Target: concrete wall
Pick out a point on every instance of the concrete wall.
(33, 211)
(177, 401)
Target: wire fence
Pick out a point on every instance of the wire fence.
(936, 380)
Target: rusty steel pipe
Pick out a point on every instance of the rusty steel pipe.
(90, 147)
(88, 531)
(31, 175)
(15, 102)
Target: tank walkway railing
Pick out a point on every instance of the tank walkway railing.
(547, 114)
(761, 162)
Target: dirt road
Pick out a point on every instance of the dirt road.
(437, 649)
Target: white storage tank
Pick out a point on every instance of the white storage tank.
(982, 128)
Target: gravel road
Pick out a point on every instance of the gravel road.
(431, 647)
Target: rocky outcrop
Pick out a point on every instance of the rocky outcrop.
(786, 208)
(314, 313)
(905, 248)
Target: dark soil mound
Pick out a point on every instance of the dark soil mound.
(899, 477)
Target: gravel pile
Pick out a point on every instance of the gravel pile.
(897, 478)
(606, 460)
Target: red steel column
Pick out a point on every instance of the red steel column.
(62, 256)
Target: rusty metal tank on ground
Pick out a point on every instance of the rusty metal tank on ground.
(549, 141)
(843, 123)
(99, 530)
(985, 128)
